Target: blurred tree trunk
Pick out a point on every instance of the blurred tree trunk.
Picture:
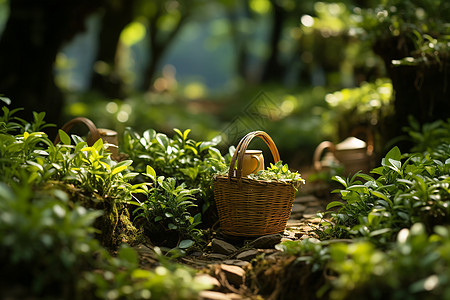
(273, 70)
(240, 40)
(421, 90)
(160, 40)
(105, 79)
(34, 33)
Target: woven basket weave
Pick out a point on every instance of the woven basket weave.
(249, 207)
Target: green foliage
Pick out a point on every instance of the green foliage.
(310, 250)
(423, 22)
(415, 268)
(190, 162)
(31, 158)
(279, 172)
(56, 201)
(121, 278)
(366, 104)
(429, 135)
(43, 238)
(166, 210)
(403, 194)
(49, 251)
(92, 170)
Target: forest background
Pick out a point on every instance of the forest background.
(303, 71)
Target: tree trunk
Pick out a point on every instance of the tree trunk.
(117, 15)
(421, 91)
(159, 42)
(33, 35)
(273, 70)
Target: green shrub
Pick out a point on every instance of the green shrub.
(45, 244)
(54, 201)
(416, 265)
(49, 251)
(121, 278)
(166, 212)
(402, 194)
(190, 162)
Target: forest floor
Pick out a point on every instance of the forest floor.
(253, 268)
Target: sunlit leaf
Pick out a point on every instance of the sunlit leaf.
(340, 180)
(65, 139)
(163, 140)
(118, 169)
(151, 172)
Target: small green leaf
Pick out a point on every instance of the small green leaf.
(192, 149)
(184, 244)
(118, 169)
(395, 163)
(149, 135)
(178, 131)
(378, 171)
(186, 133)
(394, 154)
(98, 145)
(163, 140)
(340, 180)
(334, 204)
(151, 172)
(6, 100)
(64, 137)
(382, 196)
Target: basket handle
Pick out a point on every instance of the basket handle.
(242, 147)
(90, 125)
(318, 153)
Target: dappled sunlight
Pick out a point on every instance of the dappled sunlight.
(127, 153)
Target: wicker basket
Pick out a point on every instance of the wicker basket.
(249, 207)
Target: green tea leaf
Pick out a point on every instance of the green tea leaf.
(163, 140)
(378, 171)
(118, 169)
(380, 232)
(151, 172)
(395, 163)
(192, 149)
(178, 131)
(334, 204)
(64, 137)
(98, 145)
(394, 154)
(340, 180)
(149, 135)
(186, 133)
(382, 196)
